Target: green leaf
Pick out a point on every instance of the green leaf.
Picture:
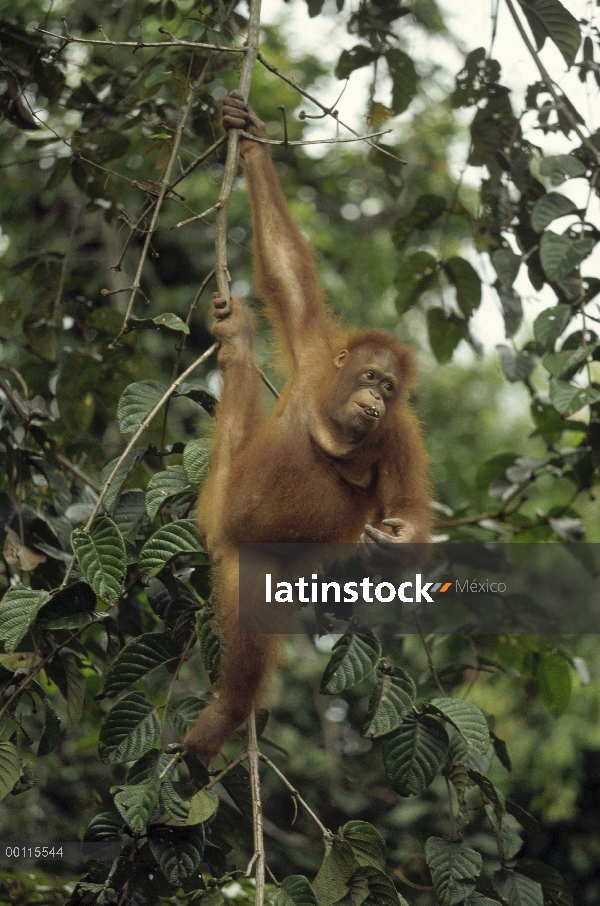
(354, 657)
(103, 826)
(465, 278)
(75, 689)
(196, 459)
(555, 683)
(331, 882)
(367, 843)
(445, 333)
(143, 654)
(517, 366)
(101, 557)
(569, 399)
(180, 537)
(10, 768)
(416, 274)
(548, 208)
(200, 395)
(18, 610)
(559, 255)
(51, 733)
(517, 890)
(512, 308)
(454, 868)
(550, 323)
(104, 146)
(74, 601)
(549, 18)
(374, 884)
(182, 714)
(129, 464)
(131, 729)
(506, 264)
(295, 890)
(237, 784)
(157, 78)
(137, 803)
(211, 643)
(130, 513)
(391, 700)
(164, 485)
(468, 719)
(414, 754)
(136, 403)
(355, 58)
(568, 362)
(178, 851)
(202, 806)
(167, 322)
(60, 171)
(176, 808)
(427, 209)
(556, 892)
(488, 790)
(560, 167)
(404, 78)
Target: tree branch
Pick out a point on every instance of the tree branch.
(258, 859)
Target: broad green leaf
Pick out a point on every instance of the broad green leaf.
(167, 322)
(478, 899)
(512, 308)
(568, 362)
(103, 826)
(376, 885)
(202, 806)
(559, 255)
(178, 851)
(416, 274)
(162, 486)
(200, 395)
(506, 264)
(517, 890)
(391, 700)
(427, 209)
(517, 366)
(355, 58)
(237, 784)
(550, 323)
(175, 808)
(465, 278)
(445, 333)
(130, 513)
(180, 537)
(211, 643)
(72, 601)
(18, 610)
(569, 399)
(489, 791)
(136, 804)
(556, 892)
(353, 658)
(404, 79)
(101, 557)
(182, 714)
(129, 464)
(105, 146)
(560, 167)
(157, 78)
(367, 843)
(51, 733)
(548, 208)
(555, 682)
(454, 869)
(550, 18)
(143, 654)
(136, 403)
(295, 890)
(331, 882)
(10, 768)
(75, 689)
(196, 458)
(131, 729)
(468, 719)
(414, 754)
(457, 775)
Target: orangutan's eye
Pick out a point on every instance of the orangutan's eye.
(369, 375)
(389, 388)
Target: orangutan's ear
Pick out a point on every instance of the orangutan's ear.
(340, 359)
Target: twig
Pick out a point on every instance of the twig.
(231, 162)
(285, 132)
(233, 764)
(145, 424)
(315, 141)
(559, 101)
(138, 45)
(430, 663)
(163, 191)
(326, 110)
(296, 795)
(258, 858)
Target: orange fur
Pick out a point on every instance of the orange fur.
(296, 475)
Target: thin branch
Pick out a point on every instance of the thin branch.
(316, 141)
(144, 425)
(161, 195)
(560, 101)
(329, 111)
(233, 145)
(257, 816)
(138, 45)
(296, 795)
